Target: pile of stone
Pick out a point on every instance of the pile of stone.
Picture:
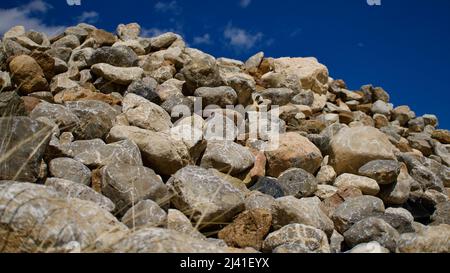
(94, 153)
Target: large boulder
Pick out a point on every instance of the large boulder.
(294, 151)
(351, 148)
(23, 143)
(205, 197)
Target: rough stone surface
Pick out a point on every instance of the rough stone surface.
(145, 213)
(383, 171)
(298, 183)
(27, 74)
(367, 185)
(69, 169)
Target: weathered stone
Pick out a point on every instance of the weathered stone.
(145, 114)
(119, 75)
(367, 185)
(126, 185)
(298, 183)
(433, 239)
(326, 175)
(23, 145)
(145, 88)
(145, 213)
(313, 239)
(443, 136)
(73, 189)
(278, 96)
(383, 171)
(307, 211)
(355, 209)
(372, 229)
(205, 197)
(442, 214)
(69, 169)
(351, 148)
(294, 151)
(11, 104)
(128, 32)
(103, 38)
(61, 115)
(397, 193)
(27, 74)
(119, 56)
(371, 247)
(325, 191)
(258, 200)
(221, 96)
(69, 41)
(227, 157)
(177, 221)
(46, 62)
(269, 186)
(248, 229)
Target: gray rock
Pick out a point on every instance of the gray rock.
(120, 56)
(70, 169)
(177, 221)
(298, 183)
(80, 58)
(258, 200)
(145, 88)
(433, 239)
(442, 214)
(382, 108)
(205, 197)
(383, 171)
(427, 179)
(127, 185)
(11, 104)
(268, 186)
(73, 189)
(397, 193)
(70, 41)
(62, 53)
(307, 211)
(221, 96)
(78, 31)
(311, 239)
(128, 32)
(336, 241)
(23, 143)
(12, 48)
(371, 247)
(278, 96)
(60, 114)
(5, 80)
(367, 185)
(164, 40)
(146, 213)
(118, 75)
(354, 210)
(372, 229)
(305, 97)
(227, 157)
(326, 175)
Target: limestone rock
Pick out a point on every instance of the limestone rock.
(367, 185)
(145, 213)
(298, 183)
(119, 75)
(27, 74)
(69, 169)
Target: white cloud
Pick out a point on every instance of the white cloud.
(171, 6)
(245, 3)
(202, 40)
(241, 39)
(25, 15)
(90, 17)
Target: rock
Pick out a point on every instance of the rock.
(307, 211)
(371, 247)
(128, 32)
(336, 241)
(305, 97)
(398, 192)
(119, 56)
(5, 80)
(78, 31)
(161, 152)
(69, 169)
(278, 96)
(354, 210)
(145, 114)
(16, 31)
(145, 88)
(200, 71)
(27, 74)
(158, 240)
(422, 143)
(46, 62)
(382, 108)
(222, 96)
(242, 83)
(248, 229)
(69, 41)
(383, 171)
(268, 186)
(432, 239)
(427, 179)
(145, 213)
(227, 157)
(73, 189)
(119, 75)
(326, 175)
(443, 136)
(298, 183)
(442, 214)
(62, 53)
(294, 151)
(401, 212)
(367, 185)
(312, 239)
(177, 221)
(61, 115)
(258, 200)
(11, 104)
(252, 64)
(102, 38)
(204, 197)
(325, 191)
(23, 145)
(82, 94)
(403, 114)
(352, 148)
(164, 40)
(127, 185)
(86, 222)
(98, 155)
(306, 73)
(372, 229)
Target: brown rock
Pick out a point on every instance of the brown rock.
(75, 94)
(443, 136)
(294, 151)
(103, 38)
(27, 74)
(30, 103)
(248, 229)
(46, 62)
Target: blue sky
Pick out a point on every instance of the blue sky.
(401, 45)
